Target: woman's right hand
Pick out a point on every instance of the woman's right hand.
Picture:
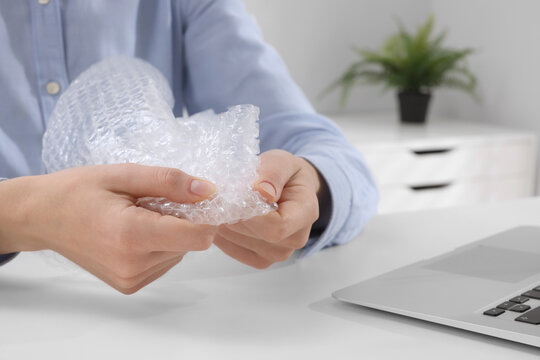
(88, 214)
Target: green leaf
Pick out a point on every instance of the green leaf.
(409, 61)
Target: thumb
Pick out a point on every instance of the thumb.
(173, 184)
(276, 168)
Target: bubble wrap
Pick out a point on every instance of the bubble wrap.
(119, 111)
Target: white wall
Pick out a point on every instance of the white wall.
(314, 37)
(506, 35)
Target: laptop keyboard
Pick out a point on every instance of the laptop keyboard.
(518, 305)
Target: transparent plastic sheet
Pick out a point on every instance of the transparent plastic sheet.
(119, 111)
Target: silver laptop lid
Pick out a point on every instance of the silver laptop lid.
(456, 288)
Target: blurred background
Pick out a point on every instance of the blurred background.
(314, 37)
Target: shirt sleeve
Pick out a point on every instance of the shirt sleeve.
(5, 258)
(228, 63)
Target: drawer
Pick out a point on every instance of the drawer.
(401, 164)
(405, 198)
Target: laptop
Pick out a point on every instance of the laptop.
(491, 286)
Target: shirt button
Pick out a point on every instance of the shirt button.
(43, 2)
(52, 88)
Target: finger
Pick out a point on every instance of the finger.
(153, 276)
(146, 262)
(130, 281)
(134, 265)
(150, 231)
(276, 168)
(128, 285)
(124, 284)
(291, 216)
(294, 242)
(245, 256)
(271, 252)
(239, 227)
(140, 181)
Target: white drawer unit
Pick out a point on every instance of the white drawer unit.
(445, 162)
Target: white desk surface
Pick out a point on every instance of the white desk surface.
(210, 307)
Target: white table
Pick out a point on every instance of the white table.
(213, 308)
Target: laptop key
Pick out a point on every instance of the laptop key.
(533, 294)
(519, 299)
(493, 312)
(531, 317)
(520, 308)
(506, 305)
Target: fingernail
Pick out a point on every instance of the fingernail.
(268, 189)
(202, 188)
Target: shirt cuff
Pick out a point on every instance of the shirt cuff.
(341, 228)
(4, 259)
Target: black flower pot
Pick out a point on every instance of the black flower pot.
(413, 106)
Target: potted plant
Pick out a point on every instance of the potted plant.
(413, 64)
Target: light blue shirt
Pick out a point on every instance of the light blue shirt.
(213, 55)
